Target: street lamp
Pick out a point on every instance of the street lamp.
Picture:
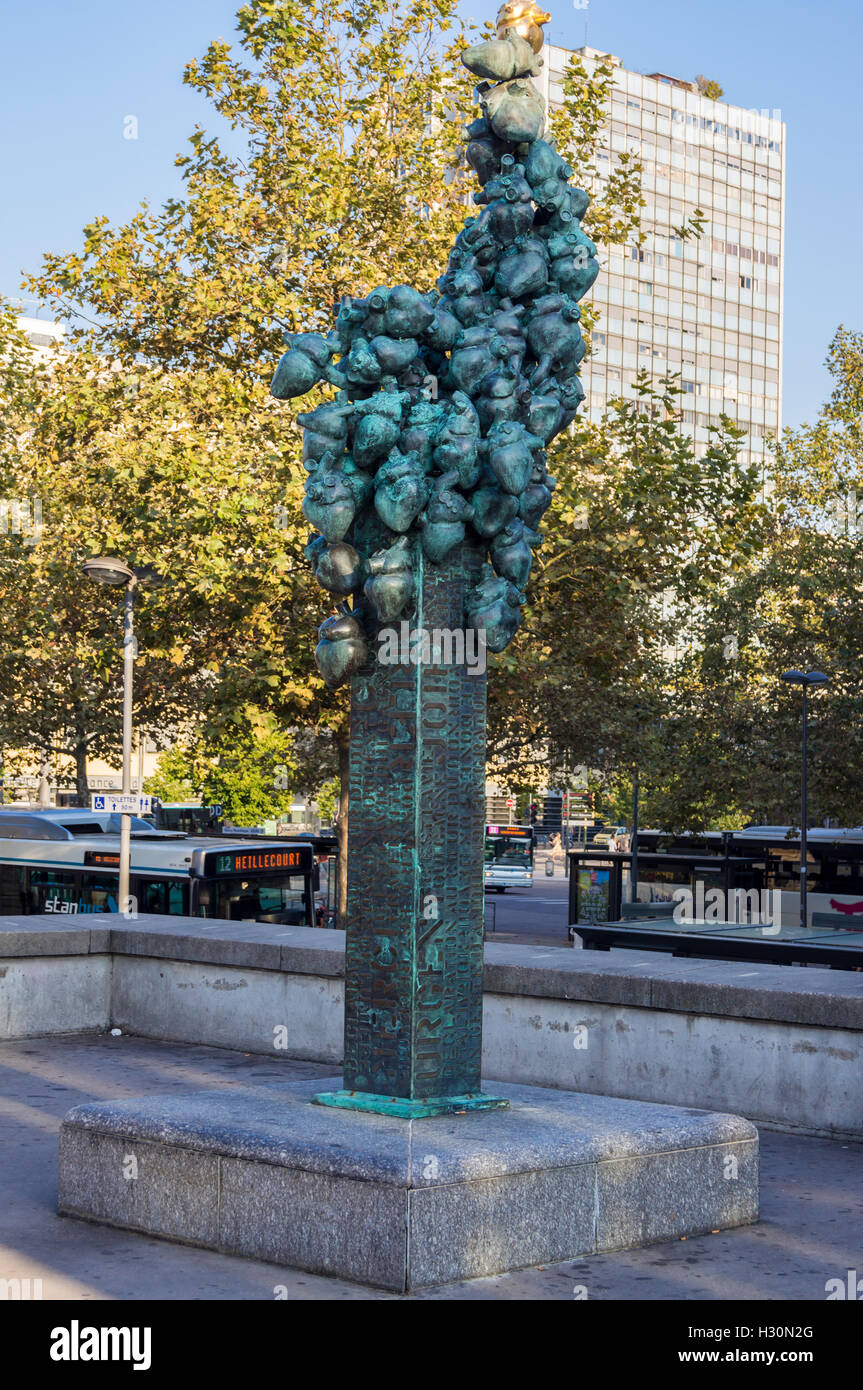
(804, 679)
(633, 872)
(105, 569)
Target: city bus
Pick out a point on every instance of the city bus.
(508, 857)
(189, 817)
(68, 862)
(770, 855)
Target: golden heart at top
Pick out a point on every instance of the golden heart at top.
(525, 17)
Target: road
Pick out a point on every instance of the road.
(536, 916)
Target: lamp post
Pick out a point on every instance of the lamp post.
(804, 679)
(633, 873)
(107, 570)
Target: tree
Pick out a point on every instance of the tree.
(179, 472)
(172, 779)
(707, 87)
(644, 531)
(336, 174)
(345, 110)
(733, 744)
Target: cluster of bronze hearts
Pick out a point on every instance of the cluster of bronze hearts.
(447, 401)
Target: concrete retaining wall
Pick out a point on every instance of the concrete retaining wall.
(53, 994)
(781, 1045)
(252, 1010)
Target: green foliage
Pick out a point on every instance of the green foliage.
(155, 438)
(245, 769)
(327, 117)
(731, 731)
(172, 779)
(327, 798)
(708, 87)
(343, 110)
(642, 532)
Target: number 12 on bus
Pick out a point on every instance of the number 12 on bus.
(508, 857)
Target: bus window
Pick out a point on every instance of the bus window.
(99, 893)
(52, 890)
(258, 898)
(13, 890)
(163, 895)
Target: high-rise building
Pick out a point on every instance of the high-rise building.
(42, 333)
(709, 308)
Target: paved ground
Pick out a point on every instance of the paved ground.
(811, 1228)
(536, 916)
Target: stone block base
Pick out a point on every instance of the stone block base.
(400, 1203)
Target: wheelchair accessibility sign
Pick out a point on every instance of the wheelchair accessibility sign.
(123, 804)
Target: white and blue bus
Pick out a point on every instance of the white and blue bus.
(68, 862)
(508, 857)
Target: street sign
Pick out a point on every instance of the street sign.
(128, 804)
(510, 801)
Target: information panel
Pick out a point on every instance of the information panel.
(294, 859)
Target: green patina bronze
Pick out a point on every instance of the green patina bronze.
(427, 483)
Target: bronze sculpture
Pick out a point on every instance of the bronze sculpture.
(427, 485)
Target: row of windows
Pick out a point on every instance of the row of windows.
(715, 377)
(738, 280)
(682, 119)
(721, 350)
(684, 308)
(734, 401)
(734, 340)
(723, 355)
(694, 159)
(27, 890)
(745, 253)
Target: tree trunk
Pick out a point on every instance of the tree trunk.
(82, 790)
(343, 744)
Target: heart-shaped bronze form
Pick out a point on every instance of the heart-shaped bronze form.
(510, 455)
(390, 590)
(492, 509)
(510, 554)
(400, 491)
(341, 651)
(340, 568)
(329, 504)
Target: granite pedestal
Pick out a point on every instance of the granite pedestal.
(401, 1204)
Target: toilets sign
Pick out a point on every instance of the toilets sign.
(123, 804)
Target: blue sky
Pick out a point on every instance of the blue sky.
(72, 74)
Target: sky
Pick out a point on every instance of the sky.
(73, 75)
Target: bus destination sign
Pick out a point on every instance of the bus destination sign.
(268, 859)
(101, 859)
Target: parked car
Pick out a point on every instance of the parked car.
(602, 837)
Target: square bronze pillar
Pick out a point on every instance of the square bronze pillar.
(415, 919)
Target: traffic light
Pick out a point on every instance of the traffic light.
(533, 812)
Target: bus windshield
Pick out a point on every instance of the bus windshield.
(256, 897)
(500, 851)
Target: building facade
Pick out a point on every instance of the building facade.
(709, 308)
